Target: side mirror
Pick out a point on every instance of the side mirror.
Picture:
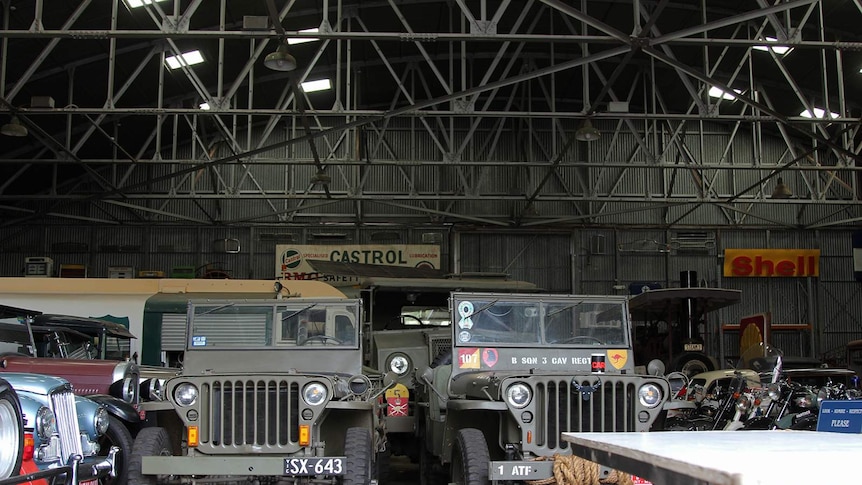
(656, 368)
(389, 379)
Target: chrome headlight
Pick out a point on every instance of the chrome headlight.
(804, 401)
(186, 394)
(399, 364)
(822, 395)
(649, 395)
(314, 393)
(519, 395)
(154, 389)
(774, 391)
(101, 422)
(743, 404)
(359, 384)
(46, 423)
(129, 387)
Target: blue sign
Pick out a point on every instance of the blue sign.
(840, 416)
(199, 341)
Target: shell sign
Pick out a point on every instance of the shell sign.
(771, 263)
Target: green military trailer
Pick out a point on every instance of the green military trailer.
(519, 371)
(270, 391)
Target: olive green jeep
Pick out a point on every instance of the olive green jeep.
(519, 371)
(271, 391)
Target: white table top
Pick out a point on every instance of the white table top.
(726, 457)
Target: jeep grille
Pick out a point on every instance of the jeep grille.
(63, 405)
(610, 408)
(237, 413)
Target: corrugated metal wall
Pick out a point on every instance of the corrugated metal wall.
(587, 261)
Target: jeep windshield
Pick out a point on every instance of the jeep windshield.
(310, 325)
(562, 322)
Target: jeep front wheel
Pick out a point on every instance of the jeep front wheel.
(153, 441)
(470, 458)
(357, 449)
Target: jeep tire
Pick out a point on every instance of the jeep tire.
(117, 435)
(152, 441)
(470, 458)
(357, 449)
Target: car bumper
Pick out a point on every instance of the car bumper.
(74, 472)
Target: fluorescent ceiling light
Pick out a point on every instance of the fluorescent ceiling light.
(319, 85)
(140, 3)
(818, 113)
(302, 40)
(204, 106)
(717, 92)
(779, 49)
(186, 58)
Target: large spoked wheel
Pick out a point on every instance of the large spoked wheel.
(11, 433)
(470, 458)
(357, 449)
(152, 441)
(117, 435)
(693, 364)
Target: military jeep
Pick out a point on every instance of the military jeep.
(521, 370)
(271, 390)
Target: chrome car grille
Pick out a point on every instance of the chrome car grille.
(611, 407)
(63, 405)
(262, 413)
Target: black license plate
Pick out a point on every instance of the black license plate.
(298, 467)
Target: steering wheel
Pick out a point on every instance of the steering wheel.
(585, 338)
(323, 338)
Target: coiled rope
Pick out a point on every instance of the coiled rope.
(574, 470)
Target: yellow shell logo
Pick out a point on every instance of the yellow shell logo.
(618, 358)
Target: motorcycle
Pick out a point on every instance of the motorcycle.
(796, 396)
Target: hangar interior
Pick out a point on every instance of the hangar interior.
(580, 145)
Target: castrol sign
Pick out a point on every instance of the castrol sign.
(292, 260)
(771, 263)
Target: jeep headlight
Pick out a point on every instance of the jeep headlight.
(101, 422)
(399, 364)
(649, 395)
(519, 395)
(46, 423)
(186, 394)
(314, 393)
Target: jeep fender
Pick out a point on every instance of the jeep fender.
(117, 407)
